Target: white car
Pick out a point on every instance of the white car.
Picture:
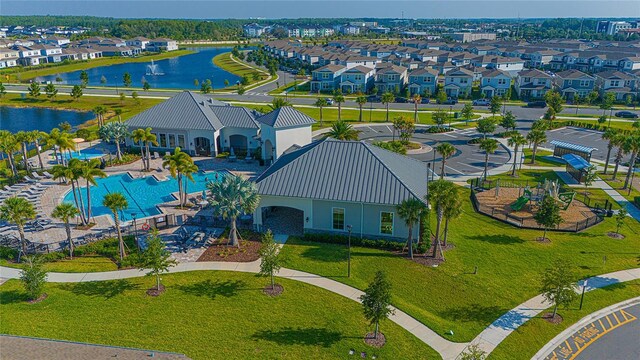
(481, 102)
(329, 101)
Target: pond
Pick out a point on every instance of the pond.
(175, 73)
(16, 119)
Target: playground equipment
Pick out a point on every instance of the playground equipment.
(563, 198)
(548, 188)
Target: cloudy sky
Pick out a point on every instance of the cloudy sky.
(216, 9)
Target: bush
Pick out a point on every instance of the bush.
(438, 129)
(222, 155)
(8, 253)
(355, 241)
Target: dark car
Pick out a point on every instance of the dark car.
(450, 101)
(400, 99)
(626, 114)
(373, 98)
(537, 104)
(424, 100)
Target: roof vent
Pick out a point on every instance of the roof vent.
(201, 103)
(210, 101)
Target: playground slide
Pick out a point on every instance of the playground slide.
(516, 206)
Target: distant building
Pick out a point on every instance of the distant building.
(162, 44)
(469, 36)
(254, 30)
(139, 41)
(614, 27)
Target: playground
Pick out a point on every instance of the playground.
(517, 203)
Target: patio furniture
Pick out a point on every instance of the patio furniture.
(47, 175)
(156, 155)
(35, 175)
(30, 180)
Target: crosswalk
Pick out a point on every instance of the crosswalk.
(468, 132)
(256, 93)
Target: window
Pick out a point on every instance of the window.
(615, 83)
(325, 75)
(172, 140)
(502, 81)
(584, 83)
(163, 140)
(386, 223)
(337, 218)
(181, 141)
(526, 80)
(428, 79)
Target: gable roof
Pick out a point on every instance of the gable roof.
(534, 73)
(317, 171)
(424, 71)
(285, 116)
(235, 116)
(572, 74)
(187, 110)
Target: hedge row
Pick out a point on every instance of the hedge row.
(389, 245)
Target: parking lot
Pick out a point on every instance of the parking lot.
(584, 137)
(468, 159)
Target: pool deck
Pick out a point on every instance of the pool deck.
(54, 195)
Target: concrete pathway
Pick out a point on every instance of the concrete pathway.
(632, 209)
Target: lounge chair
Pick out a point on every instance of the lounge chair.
(29, 180)
(35, 175)
(156, 155)
(47, 175)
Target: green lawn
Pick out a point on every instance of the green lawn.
(540, 161)
(24, 74)
(205, 315)
(225, 62)
(450, 297)
(89, 263)
(619, 183)
(532, 176)
(534, 334)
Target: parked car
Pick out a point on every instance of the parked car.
(373, 98)
(481, 102)
(626, 114)
(537, 104)
(425, 100)
(400, 99)
(450, 101)
(329, 101)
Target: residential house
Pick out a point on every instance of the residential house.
(29, 56)
(254, 30)
(8, 58)
(138, 41)
(574, 83)
(533, 84)
(391, 78)
(162, 44)
(56, 40)
(540, 58)
(357, 79)
(423, 81)
(617, 82)
(630, 63)
(495, 82)
(326, 78)
(458, 82)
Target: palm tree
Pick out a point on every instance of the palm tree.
(149, 139)
(341, 130)
(633, 144)
(232, 197)
(446, 150)
(138, 136)
(188, 170)
(620, 141)
(9, 145)
(100, 111)
(60, 140)
(118, 113)
(177, 163)
(320, 103)
(417, 99)
(89, 170)
(441, 193)
(452, 210)
(71, 173)
(38, 136)
(117, 132)
(361, 100)
(489, 146)
(386, 99)
(24, 138)
(66, 212)
(338, 98)
(116, 202)
(536, 137)
(18, 211)
(610, 135)
(278, 102)
(411, 211)
(515, 141)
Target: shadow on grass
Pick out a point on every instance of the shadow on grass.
(13, 296)
(300, 336)
(325, 253)
(475, 313)
(498, 239)
(105, 289)
(213, 289)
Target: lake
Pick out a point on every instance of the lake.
(15, 119)
(177, 73)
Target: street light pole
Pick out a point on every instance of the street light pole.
(135, 230)
(584, 286)
(349, 252)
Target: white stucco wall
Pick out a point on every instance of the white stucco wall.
(287, 137)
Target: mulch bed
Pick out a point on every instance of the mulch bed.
(221, 250)
(542, 240)
(39, 299)
(155, 292)
(427, 258)
(554, 320)
(277, 290)
(615, 236)
(370, 340)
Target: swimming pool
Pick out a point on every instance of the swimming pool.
(142, 194)
(85, 154)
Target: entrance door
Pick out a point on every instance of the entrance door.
(202, 146)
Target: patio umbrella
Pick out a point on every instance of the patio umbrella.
(77, 141)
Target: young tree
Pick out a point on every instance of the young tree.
(495, 105)
(516, 140)
(76, 92)
(548, 215)
(116, 202)
(232, 197)
(33, 277)
(3, 90)
(558, 285)
(417, 99)
(278, 102)
(84, 79)
(508, 121)
(341, 130)
(270, 261)
(18, 211)
(179, 164)
(554, 101)
(123, 97)
(486, 126)
(51, 91)
(440, 195)
(536, 137)
(196, 82)
(34, 90)
(103, 80)
(241, 90)
(441, 97)
(376, 301)
(386, 99)
(126, 79)
(66, 212)
(156, 258)
(446, 150)
(607, 102)
(146, 86)
(320, 104)
(411, 211)
(489, 146)
(134, 96)
(439, 117)
(473, 352)
(621, 216)
(338, 98)
(360, 100)
(205, 88)
(632, 145)
(589, 178)
(467, 112)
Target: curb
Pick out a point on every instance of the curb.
(541, 354)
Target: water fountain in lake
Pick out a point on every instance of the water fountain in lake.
(153, 69)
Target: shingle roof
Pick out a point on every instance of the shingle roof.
(572, 74)
(285, 117)
(350, 171)
(186, 110)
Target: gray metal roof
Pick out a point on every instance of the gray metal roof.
(285, 117)
(350, 171)
(571, 146)
(235, 116)
(186, 110)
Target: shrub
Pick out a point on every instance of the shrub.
(8, 253)
(355, 241)
(438, 129)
